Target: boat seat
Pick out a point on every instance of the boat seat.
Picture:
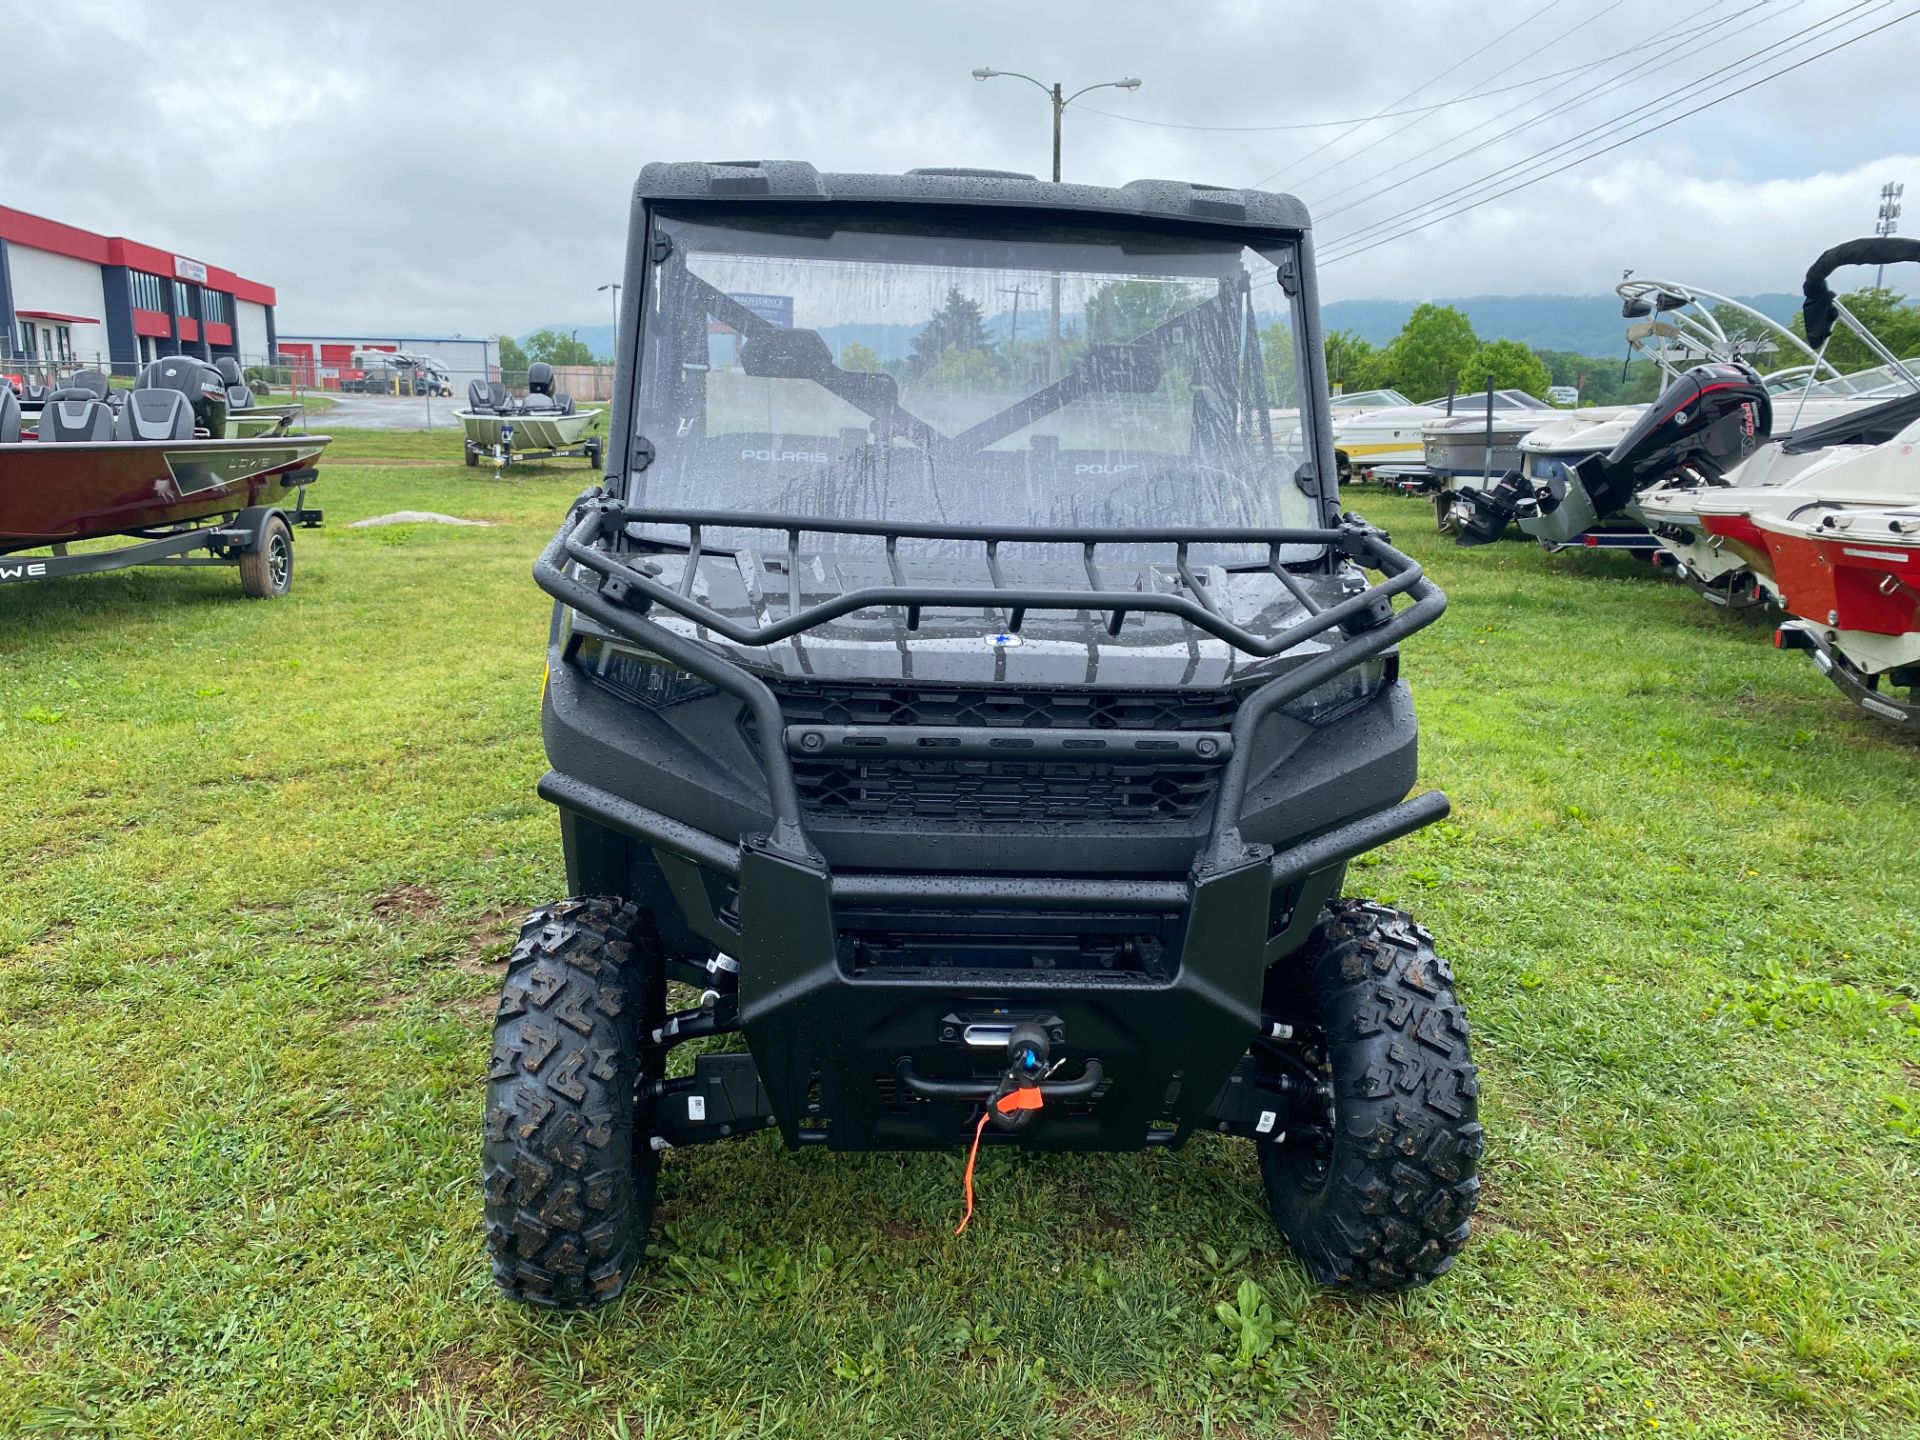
(68, 392)
(154, 415)
(481, 396)
(539, 404)
(9, 416)
(91, 381)
(239, 393)
(85, 420)
(565, 402)
(33, 392)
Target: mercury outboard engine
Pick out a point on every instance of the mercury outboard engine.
(540, 378)
(1708, 421)
(200, 382)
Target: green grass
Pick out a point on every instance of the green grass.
(259, 864)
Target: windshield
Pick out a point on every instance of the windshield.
(872, 368)
(1372, 400)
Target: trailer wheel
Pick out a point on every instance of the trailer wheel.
(1380, 1199)
(569, 1192)
(266, 571)
(473, 457)
(594, 454)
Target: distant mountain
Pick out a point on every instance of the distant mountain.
(1585, 324)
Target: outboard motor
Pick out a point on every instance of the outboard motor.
(200, 382)
(1708, 421)
(540, 378)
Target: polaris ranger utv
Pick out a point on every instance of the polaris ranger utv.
(966, 682)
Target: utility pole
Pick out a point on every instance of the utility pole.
(1888, 222)
(1013, 334)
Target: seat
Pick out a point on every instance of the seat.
(480, 397)
(91, 381)
(239, 392)
(154, 415)
(35, 392)
(539, 403)
(540, 378)
(565, 402)
(85, 421)
(9, 416)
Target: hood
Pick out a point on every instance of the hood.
(975, 646)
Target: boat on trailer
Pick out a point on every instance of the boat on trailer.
(1676, 326)
(158, 472)
(541, 425)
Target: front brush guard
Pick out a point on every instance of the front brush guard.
(828, 1042)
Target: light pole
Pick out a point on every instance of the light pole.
(614, 286)
(1888, 222)
(1060, 104)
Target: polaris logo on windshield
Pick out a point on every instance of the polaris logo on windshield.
(1103, 469)
(32, 570)
(799, 457)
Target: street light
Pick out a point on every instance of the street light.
(1060, 104)
(615, 288)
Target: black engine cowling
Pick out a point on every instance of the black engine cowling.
(1709, 420)
(199, 381)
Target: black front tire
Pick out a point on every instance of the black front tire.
(569, 1194)
(473, 456)
(1385, 1202)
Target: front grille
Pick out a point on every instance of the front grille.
(1003, 791)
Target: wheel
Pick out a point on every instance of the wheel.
(593, 454)
(473, 456)
(266, 571)
(1381, 1198)
(569, 1195)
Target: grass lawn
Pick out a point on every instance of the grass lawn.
(259, 865)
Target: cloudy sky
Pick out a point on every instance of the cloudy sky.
(441, 168)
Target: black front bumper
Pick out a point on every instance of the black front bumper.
(864, 995)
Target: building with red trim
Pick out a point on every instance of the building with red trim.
(70, 297)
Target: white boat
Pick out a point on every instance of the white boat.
(1389, 442)
(1676, 326)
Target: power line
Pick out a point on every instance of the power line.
(1607, 127)
(1673, 35)
(1385, 114)
(1411, 93)
(1628, 140)
(1382, 139)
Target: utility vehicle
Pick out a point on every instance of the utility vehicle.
(970, 698)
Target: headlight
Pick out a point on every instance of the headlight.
(635, 675)
(1346, 691)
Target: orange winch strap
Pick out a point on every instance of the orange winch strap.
(1027, 1097)
(972, 1155)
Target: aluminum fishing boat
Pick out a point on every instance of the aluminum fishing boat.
(541, 425)
(151, 471)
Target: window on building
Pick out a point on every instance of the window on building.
(149, 291)
(180, 306)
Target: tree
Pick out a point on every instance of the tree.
(557, 349)
(855, 356)
(1430, 350)
(1886, 313)
(1355, 365)
(513, 360)
(1277, 358)
(956, 325)
(1124, 310)
(1512, 365)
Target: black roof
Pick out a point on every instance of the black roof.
(795, 180)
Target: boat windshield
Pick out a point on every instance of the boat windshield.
(854, 366)
(1371, 400)
(1881, 380)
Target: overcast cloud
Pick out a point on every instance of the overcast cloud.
(466, 168)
